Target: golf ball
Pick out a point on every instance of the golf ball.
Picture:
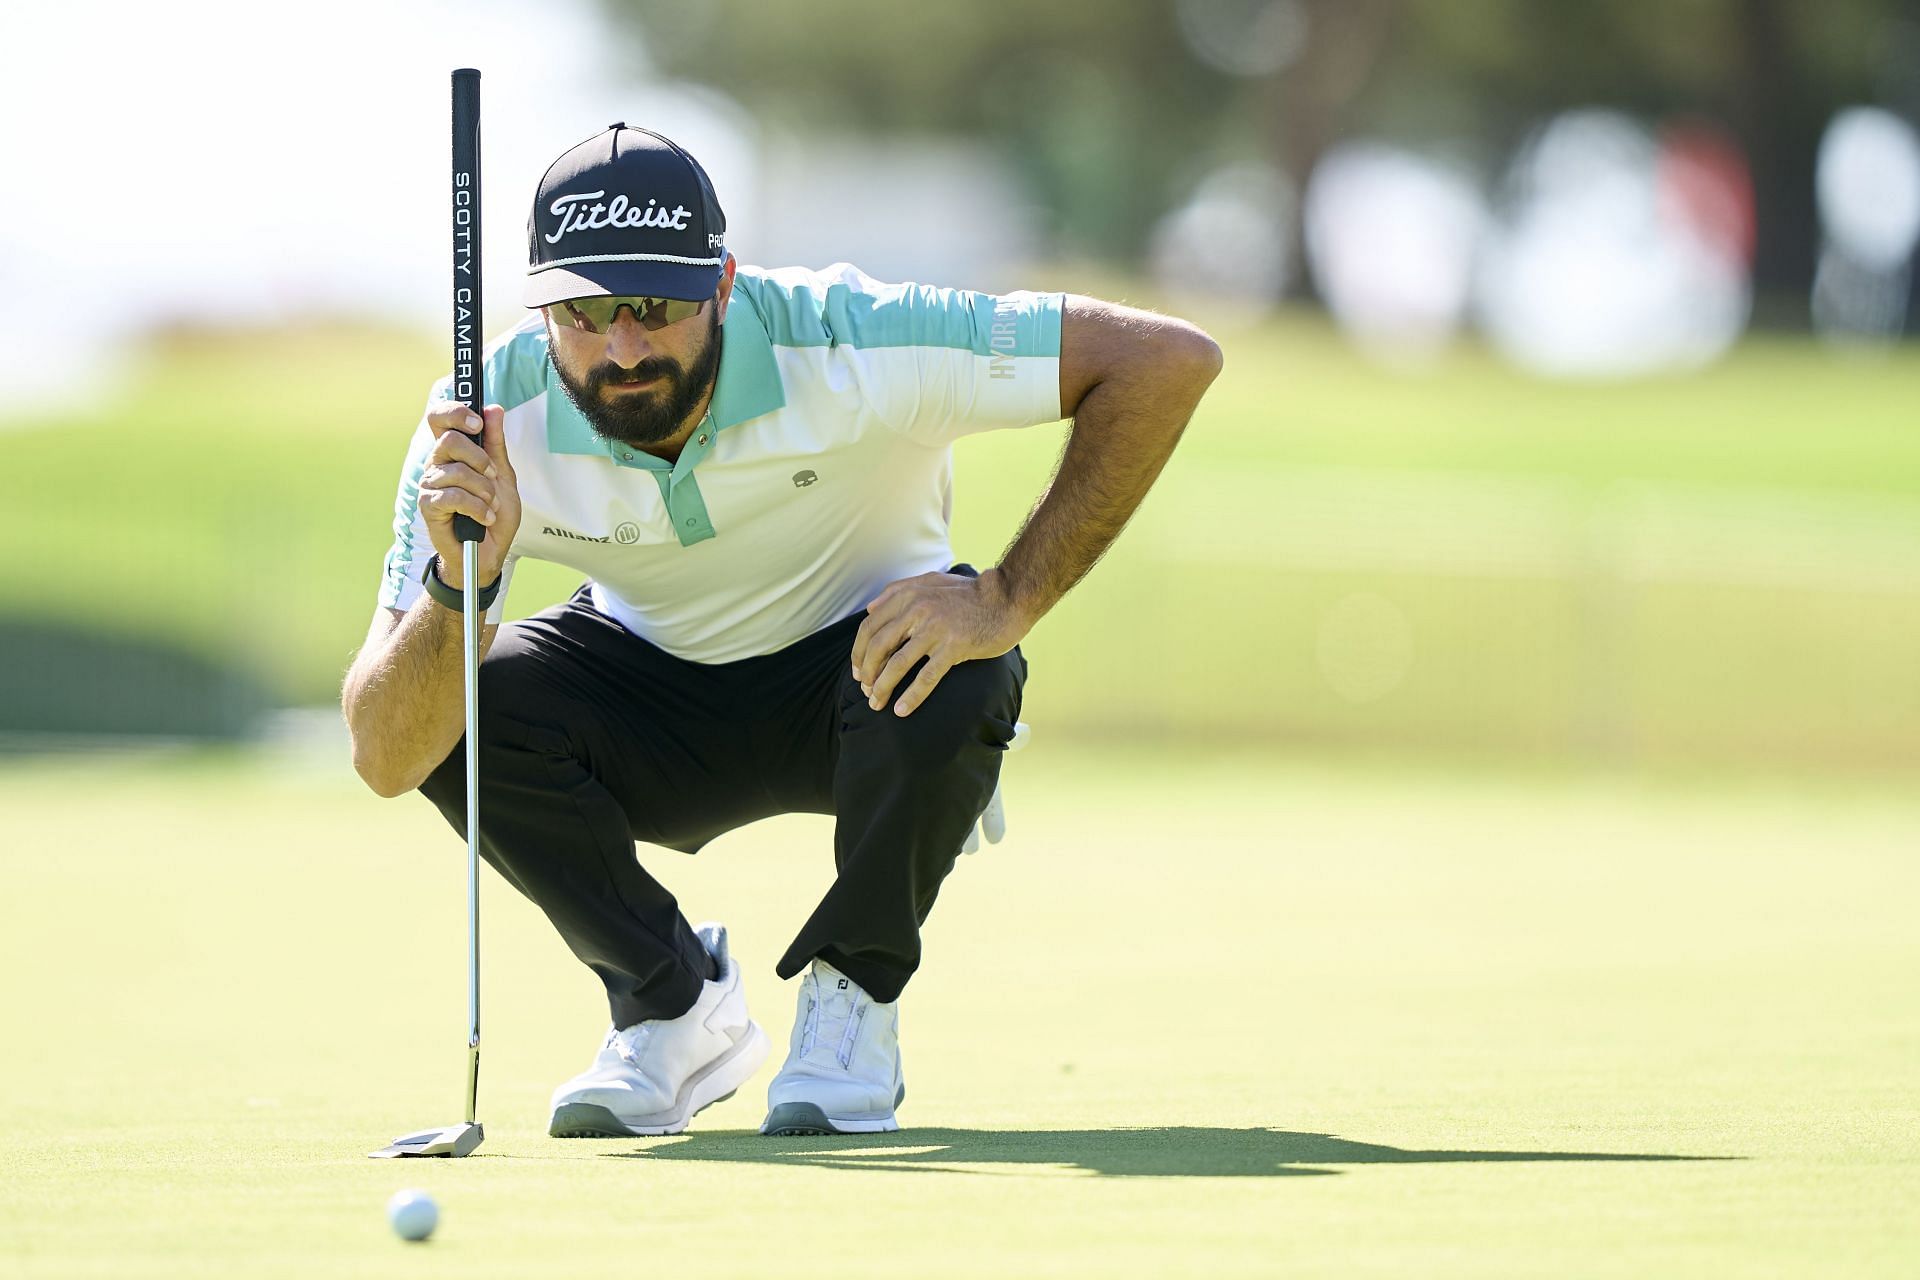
(413, 1214)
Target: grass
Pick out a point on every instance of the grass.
(1221, 1013)
(1722, 566)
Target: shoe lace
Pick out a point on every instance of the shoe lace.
(631, 1042)
(810, 1028)
(831, 1017)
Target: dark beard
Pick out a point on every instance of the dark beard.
(650, 416)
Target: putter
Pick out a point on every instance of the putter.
(468, 380)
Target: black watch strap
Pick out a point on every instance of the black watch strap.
(451, 597)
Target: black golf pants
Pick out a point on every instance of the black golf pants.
(592, 739)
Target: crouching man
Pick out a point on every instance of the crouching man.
(752, 469)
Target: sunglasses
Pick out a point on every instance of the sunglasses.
(595, 315)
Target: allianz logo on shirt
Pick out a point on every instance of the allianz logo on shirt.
(626, 534)
(553, 531)
(575, 215)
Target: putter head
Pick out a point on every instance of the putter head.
(454, 1140)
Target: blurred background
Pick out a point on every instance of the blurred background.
(1569, 412)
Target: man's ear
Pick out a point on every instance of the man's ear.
(726, 288)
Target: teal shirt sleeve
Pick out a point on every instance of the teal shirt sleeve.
(934, 363)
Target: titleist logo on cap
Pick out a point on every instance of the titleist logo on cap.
(576, 215)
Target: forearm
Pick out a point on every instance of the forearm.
(1123, 432)
(404, 698)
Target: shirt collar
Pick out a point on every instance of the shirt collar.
(748, 383)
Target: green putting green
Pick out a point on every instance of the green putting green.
(1223, 1014)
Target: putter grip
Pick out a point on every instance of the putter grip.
(469, 376)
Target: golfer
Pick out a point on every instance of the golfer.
(752, 469)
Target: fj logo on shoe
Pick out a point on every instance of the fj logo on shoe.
(801, 479)
(843, 984)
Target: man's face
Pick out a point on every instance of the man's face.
(635, 385)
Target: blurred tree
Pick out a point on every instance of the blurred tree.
(1112, 107)
(1771, 71)
(1097, 103)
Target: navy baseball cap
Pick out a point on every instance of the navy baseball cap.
(627, 213)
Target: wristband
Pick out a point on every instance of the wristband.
(452, 598)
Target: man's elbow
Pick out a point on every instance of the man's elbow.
(1179, 357)
(381, 780)
(384, 785)
(378, 772)
(1194, 353)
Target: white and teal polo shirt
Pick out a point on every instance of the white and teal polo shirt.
(822, 472)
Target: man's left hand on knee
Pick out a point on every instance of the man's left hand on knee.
(946, 618)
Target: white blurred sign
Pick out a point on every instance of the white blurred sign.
(1391, 237)
(1608, 262)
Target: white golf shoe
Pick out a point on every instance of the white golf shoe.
(653, 1077)
(842, 1073)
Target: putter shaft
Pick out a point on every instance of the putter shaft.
(470, 619)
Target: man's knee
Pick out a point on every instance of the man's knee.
(973, 708)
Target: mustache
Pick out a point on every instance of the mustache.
(648, 369)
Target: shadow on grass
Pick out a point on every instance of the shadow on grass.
(1157, 1153)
